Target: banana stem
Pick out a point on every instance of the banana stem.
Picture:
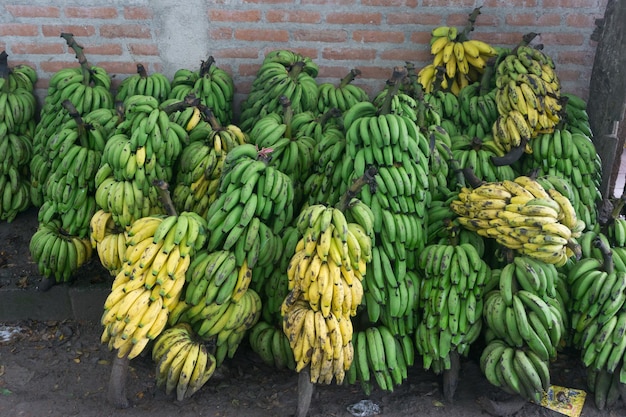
(164, 194)
(619, 205)
(287, 114)
(141, 70)
(189, 101)
(305, 392)
(4, 71)
(295, 70)
(607, 255)
(81, 126)
(80, 55)
(451, 377)
(331, 113)
(393, 85)
(349, 77)
(205, 66)
(469, 27)
(366, 179)
(117, 382)
(209, 116)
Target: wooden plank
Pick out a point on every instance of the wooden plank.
(607, 88)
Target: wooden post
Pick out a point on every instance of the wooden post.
(607, 88)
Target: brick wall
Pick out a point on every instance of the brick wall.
(372, 35)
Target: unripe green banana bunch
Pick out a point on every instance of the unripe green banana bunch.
(607, 387)
(340, 97)
(151, 280)
(478, 154)
(515, 370)
(15, 194)
(156, 85)
(183, 364)
(282, 73)
(272, 346)
(523, 216)
(17, 106)
(380, 357)
(478, 110)
(20, 76)
(57, 254)
(576, 116)
(87, 89)
(326, 183)
(402, 104)
(324, 344)
(316, 125)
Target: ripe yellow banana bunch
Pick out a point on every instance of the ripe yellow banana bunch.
(109, 242)
(322, 343)
(149, 284)
(184, 364)
(457, 62)
(523, 216)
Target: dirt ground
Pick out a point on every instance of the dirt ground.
(60, 368)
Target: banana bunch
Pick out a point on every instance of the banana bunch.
(402, 104)
(515, 370)
(183, 364)
(14, 187)
(282, 73)
(476, 153)
(340, 97)
(440, 163)
(458, 60)
(272, 346)
(156, 85)
(576, 116)
(19, 76)
(254, 198)
(56, 253)
(607, 388)
(15, 194)
(445, 104)
(291, 153)
(108, 241)
(17, 105)
(200, 167)
(527, 97)
(478, 110)
(572, 156)
(87, 87)
(523, 216)
(322, 343)
(616, 232)
(149, 284)
(380, 356)
(451, 297)
(211, 84)
(316, 125)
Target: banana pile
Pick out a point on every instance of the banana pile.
(184, 364)
(526, 325)
(211, 84)
(156, 85)
(196, 181)
(325, 275)
(58, 254)
(476, 153)
(451, 297)
(380, 356)
(143, 148)
(255, 203)
(342, 96)
(527, 98)
(523, 216)
(17, 124)
(151, 280)
(282, 73)
(457, 60)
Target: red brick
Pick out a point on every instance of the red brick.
(460, 20)
(451, 5)
(320, 35)
(376, 73)
(138, 13)
(123, 67)
(247, 53)
(530, 19)
(76, 30)
(235, 15)
(499, 38)
(54, 66)
(125, 31)
(568, 75)
(325, 2)
(247, 70)
(570, 4)
(575, 57)
(37, 48)
(334, 73)
(104, 49)
(349, 54)
(219, 33)
(274, 35)
(269, 1)
(559, 38)
(312, 53)
(414, 19)
(91, 12)
(421, 38)
(507, 3)
(18, 29)
(354, 18)
(405, 55)
(377, 36)
(292, 16)
(387, 3)
(581, 20)
(33, 11)
(144, 49)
